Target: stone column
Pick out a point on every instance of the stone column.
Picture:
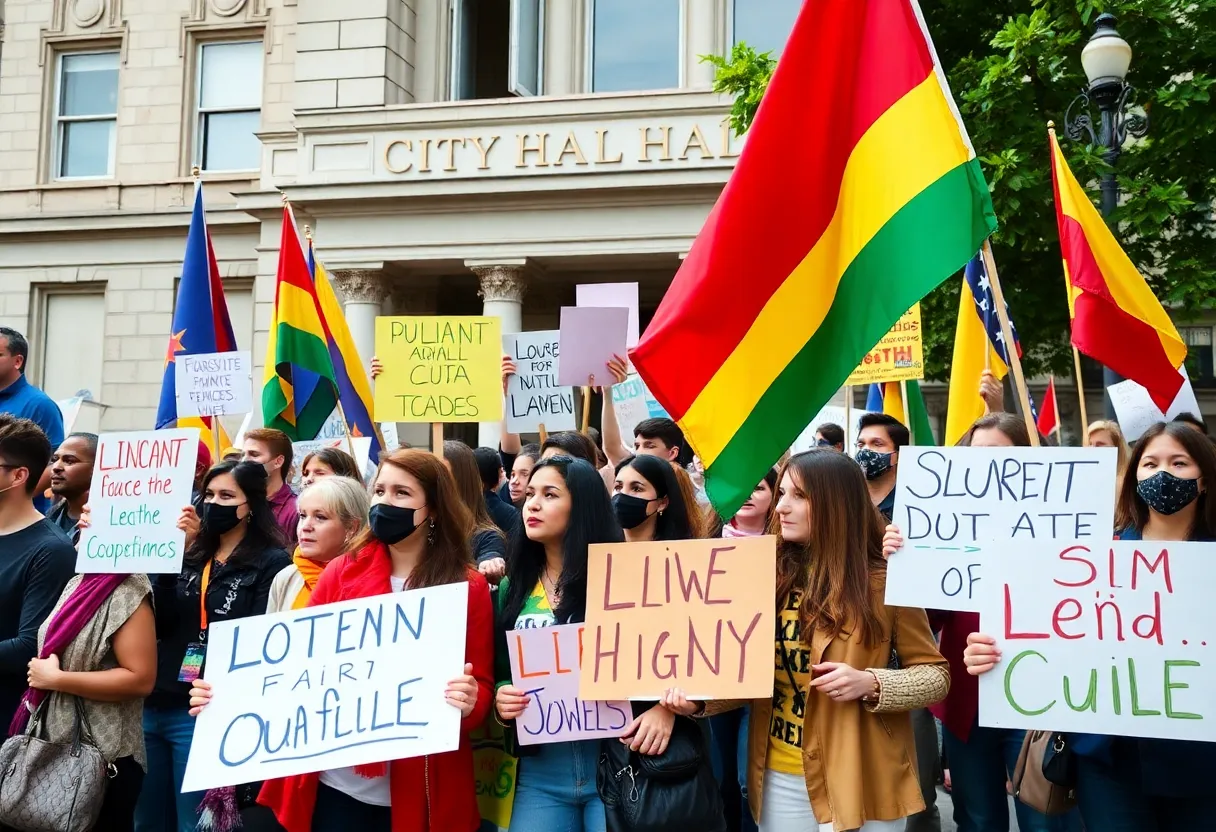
(501, 286)
(703, 27)
(363, 291)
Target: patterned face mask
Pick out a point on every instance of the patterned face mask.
(873, 464)
(1166, 494)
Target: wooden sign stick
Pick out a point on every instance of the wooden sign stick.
(437, 438)
(586, 409)
(544, 434)
(1011, 352)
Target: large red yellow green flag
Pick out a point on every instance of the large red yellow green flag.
(856, 194)
(1116, 318)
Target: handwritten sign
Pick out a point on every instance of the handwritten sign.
(613, 294)
(953, 504)
(590, 336)
(545, 663)
(326, 687)
(141, 483)
(299, 450)
(494, 773)
(533, 395)
(1136, 412)
(439, 369)
(899, 356)
(214, 384)
(1103, 638)
(693, 614)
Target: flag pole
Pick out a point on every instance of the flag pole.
(848, 415)
(215, 439)
(1011, 352)
(903, 394)
(1076, 363)
(350, 443)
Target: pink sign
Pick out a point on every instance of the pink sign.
(545, 663)
(590, 336)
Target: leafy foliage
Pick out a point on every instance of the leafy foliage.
(1014, 65)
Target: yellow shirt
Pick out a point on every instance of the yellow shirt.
(789, 705)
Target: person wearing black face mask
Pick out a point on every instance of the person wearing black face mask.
(648, 502)
(879, 439)
(229, 566)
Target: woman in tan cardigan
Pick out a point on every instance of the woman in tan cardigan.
(832, 750)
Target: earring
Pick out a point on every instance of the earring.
(430, 533)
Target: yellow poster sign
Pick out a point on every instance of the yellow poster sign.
(494, 770)
(439, 369)
(899, 356)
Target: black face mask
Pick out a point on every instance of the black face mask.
(391, 524)
(218, 518)
(1166, 494)
(630, 510)
(873, 464)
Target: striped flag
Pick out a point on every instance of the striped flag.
(1116, 318)
(807, 261)
(1049, 417)
(887, 398)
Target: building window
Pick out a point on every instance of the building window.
(73, 343)
(86, 114)
(634, 45)
(1199, 359)
(494, 48)
(764, 25)
(526, 68)
(229, 106)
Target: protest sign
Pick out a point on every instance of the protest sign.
(141, 482)
(327, 687)
(692, 614)
(439, 369)
(1136, 413)
(545, 663)
(899, 356)
(1102, 637)
(534, 397)
(214, 384)
(590, 336)
(632, 404)
(392, 441)
(613, 294)
(837, 415)
(494, 773)
(953, 504)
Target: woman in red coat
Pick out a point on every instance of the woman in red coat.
(418, 537)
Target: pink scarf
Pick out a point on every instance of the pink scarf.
(731, 530)
(73, 616)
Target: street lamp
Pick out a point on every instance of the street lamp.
(1106, 58)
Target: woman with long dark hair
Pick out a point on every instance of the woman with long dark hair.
(833, 747)
(648, 501)
(488, 543)
(227, 573)
(1128, 784)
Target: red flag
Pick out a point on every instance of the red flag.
(1049, 414)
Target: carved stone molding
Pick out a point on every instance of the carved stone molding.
(78, 15)
(200, 10)
(413, 300)
(361, 285)
(87, 12)
(500, 281)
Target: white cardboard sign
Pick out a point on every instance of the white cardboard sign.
(954, 505)
(1102, 638)
(1136, 413)
(328, 687)
(534, 397)
(141, 482)
(613, 294)
(214, 384)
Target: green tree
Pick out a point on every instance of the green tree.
(1013, 66)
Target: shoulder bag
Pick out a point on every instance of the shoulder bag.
(675, 789)
(52, 787)
(1045, 760)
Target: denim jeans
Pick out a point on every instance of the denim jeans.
(162, 807)
(979, 769)
(728, 755)
(555, 789)
(787, 808)
(1111, 800)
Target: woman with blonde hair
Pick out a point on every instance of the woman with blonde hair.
(1107, 434)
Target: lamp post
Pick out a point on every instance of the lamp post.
(1106, 58)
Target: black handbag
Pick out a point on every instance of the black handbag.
(673, 790)
(1060, 762)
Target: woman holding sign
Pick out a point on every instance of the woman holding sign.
(418, 536)
(833, 748)
(1126, 784)
(228, 569)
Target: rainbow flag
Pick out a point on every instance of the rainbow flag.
(1116, 318)
(350, 373)
(299, 390)
(887, 398)
(809, 257)
(200, 325)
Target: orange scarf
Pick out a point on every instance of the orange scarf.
(311, 571)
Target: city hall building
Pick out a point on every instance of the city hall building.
(455, 157)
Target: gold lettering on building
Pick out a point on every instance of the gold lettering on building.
(697, 140)
(542, 140)
(483, 151)
(663, 143)
(570, 147)
(601, 158)
(388, 156)
(727, 152)
(424, 149)
(451, 163)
